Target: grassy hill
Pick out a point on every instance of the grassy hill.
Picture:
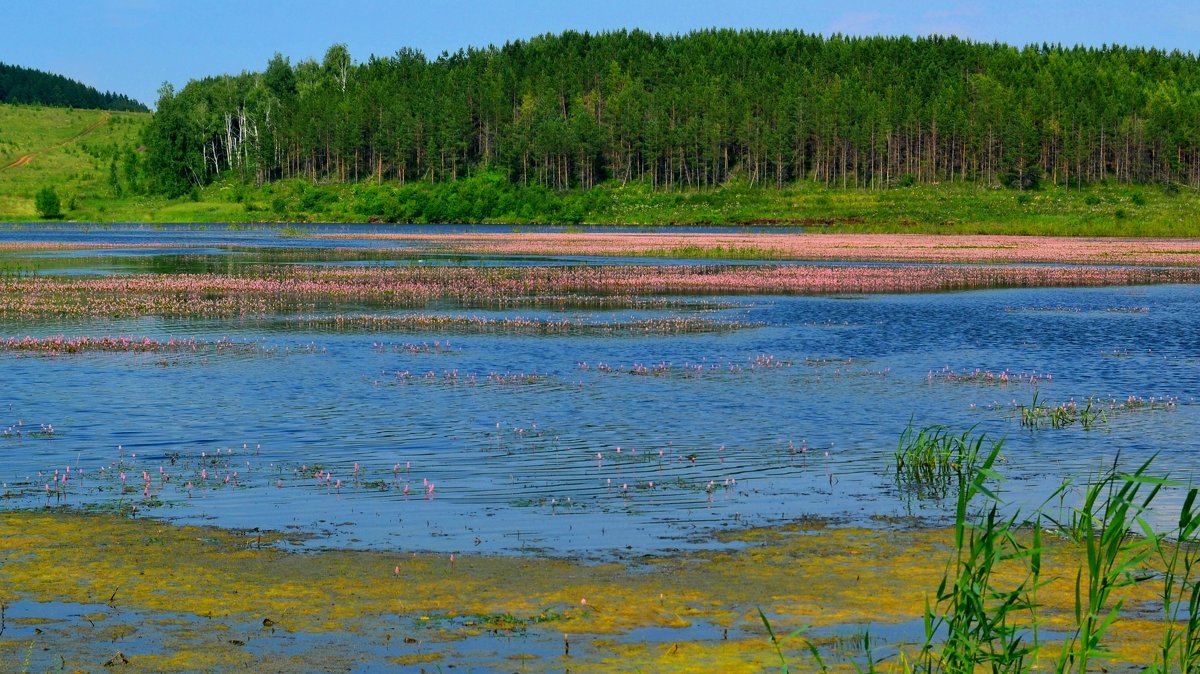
(68, 149)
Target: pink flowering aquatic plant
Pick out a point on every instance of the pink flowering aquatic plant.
(61, 344)
(271, 291)
(987, 249)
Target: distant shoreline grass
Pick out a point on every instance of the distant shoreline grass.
(1097, 211)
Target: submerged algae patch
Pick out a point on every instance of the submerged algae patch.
(245, 603)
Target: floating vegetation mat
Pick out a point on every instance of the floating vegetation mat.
(83, 590)
(731, 245)
(1092, 412)
(986, 377)
(268, 290)
(775, 246)
(61, 344)
(762, 361)
(470, 325)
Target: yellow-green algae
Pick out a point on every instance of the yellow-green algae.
(421, 604)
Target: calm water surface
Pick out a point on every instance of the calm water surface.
(572, 444)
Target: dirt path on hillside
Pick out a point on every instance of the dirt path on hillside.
(26, 158)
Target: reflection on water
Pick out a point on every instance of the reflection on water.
(585, 443)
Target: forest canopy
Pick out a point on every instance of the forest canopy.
(770, 107)
(28, 86)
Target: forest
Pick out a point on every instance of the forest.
(693, 111)
(27, 86)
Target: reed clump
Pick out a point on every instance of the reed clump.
(930, 460)
(1038, 414)
(986, 615)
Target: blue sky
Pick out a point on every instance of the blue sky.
(133, 46)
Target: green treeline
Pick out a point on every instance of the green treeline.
(771, 108)
(27, 86)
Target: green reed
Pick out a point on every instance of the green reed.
(930, 459)
(985, 622)
(975, 621)
(1039, 414)
(1112, 507)
(981, 620)
(1180, 648)
(777, 644)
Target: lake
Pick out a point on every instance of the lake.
(230, 448)
(584, 441)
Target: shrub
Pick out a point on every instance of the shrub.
(315, 199)
(47, 203)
